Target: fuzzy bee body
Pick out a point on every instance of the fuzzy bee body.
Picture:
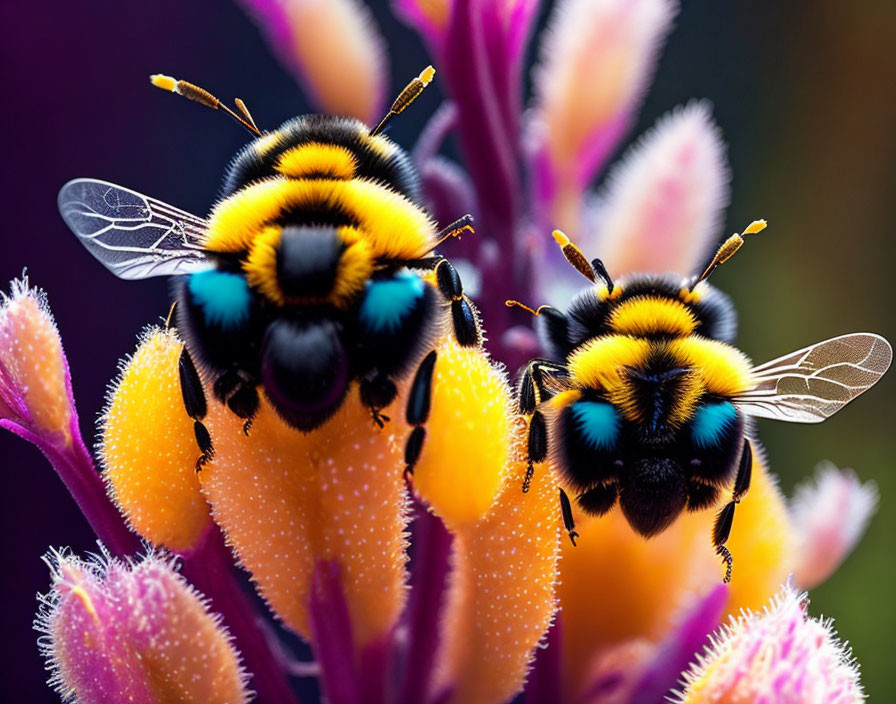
(305, 279)
(644, 402)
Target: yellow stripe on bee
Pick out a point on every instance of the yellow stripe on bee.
(394, 227)
(316, 159)
(354, 268)
(267, 142)
(721, 368)
(380, 145)
(564, 399)
(648, 315)
(599, 363)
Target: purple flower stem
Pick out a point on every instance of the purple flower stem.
(376, 678)
(75, 467)
(430, 568)
(677, 651)
(209, 568)
(331, 631)
(545, 684)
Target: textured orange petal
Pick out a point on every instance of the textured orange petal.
(501, 598)
(644, 584)
(287, 500)
(148, 449)
(467, 452)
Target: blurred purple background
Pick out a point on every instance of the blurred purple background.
(806, 97)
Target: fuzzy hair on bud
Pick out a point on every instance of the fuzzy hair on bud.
(662, 210)
(777, 655)
(35, 388)
(333, 47)
(135, 632)
(830, 514)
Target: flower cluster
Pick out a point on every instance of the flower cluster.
(457, 588)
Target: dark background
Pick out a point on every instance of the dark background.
(805, 94)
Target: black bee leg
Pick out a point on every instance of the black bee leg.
(195, 405)
(722, 529)
(466, 328)
(238, 391)
(537, 446)
(568, 522)
(417, 411)
(531, 392)
(244, 403)
(376, 394)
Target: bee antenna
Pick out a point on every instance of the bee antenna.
(727, 250)
(516, 304)
(202, 96)
(407, 96)
(574, 256)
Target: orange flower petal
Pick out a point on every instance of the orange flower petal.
(148, 449)
(287, 500)
(644, 584)
(501, 598)
(467, 452)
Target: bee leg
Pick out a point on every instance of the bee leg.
(238, 391)
(531, 392)
(417, 411)
(196, 406)
(376, 394)
(537, 446)
(244, 403)
(722, 529)
(466, 328)
(568, 521)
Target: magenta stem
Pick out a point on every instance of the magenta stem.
(545, 685)
(429, 579)
(209, 568)
(74, 466)
(331, 631)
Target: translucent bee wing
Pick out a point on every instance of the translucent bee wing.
(134, 236)
(812, 384)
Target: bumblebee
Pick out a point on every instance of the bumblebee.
(315, 270)
(643, 401)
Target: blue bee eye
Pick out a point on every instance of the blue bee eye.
(598, 423)
(224, 297)
(388, 302)
(710, 423)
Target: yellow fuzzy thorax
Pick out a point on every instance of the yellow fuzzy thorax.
(385, 225)
(605, 364)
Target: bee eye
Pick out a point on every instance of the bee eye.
(711, 423)
(222, 297)
(597, 422)
(388, 303)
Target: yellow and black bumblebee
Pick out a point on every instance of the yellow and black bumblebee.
(644, 401)
(303, 279)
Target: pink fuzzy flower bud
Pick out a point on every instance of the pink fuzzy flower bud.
(35, 398)
(830, 515)
(333, 47)
(134, 632)
(596, 59)
(780, 655)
